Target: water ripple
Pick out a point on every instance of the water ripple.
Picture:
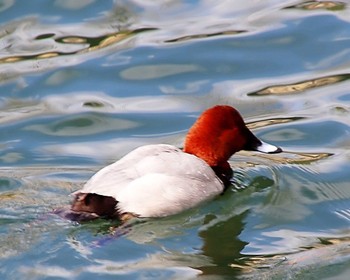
(36, 47)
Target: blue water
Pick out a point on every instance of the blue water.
(84, 82)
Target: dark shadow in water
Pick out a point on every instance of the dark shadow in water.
(222, 245)
(205, 35)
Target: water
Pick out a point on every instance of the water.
(84, 82)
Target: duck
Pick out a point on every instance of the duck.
(159, 180)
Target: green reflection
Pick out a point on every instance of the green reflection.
(83, 125)
(148, 72)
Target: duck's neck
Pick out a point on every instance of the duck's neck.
(209, 151)
(224, 172)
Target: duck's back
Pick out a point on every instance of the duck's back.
(156, 180)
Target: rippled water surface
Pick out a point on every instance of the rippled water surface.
(84, 82)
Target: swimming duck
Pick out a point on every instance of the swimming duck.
(161, 180)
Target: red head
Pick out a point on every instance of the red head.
(220, 132)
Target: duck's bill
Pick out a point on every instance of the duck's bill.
(255, 144)
(267, 148)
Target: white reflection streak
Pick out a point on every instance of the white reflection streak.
(345, 214)
(190, 88)
(337, 59)
(48, 271)
(150, 262)
(73, 5)
(289, 241)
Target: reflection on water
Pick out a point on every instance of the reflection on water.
(315, 5)
(84, 82)
(304, 263)
(43, 43)
(297, 157)
(264, 123)
(302, 86)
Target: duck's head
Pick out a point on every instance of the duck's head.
(219, 133)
